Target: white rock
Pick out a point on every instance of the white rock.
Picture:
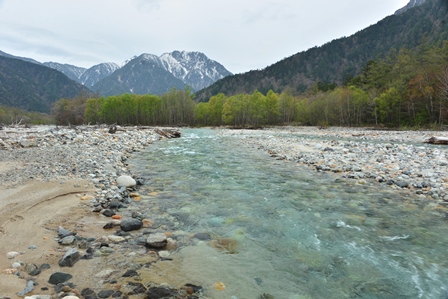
(104, 274)
(12, 254)
(164, 253)
(116, 239)
(42, 297)
(16, 265)
(126, 181)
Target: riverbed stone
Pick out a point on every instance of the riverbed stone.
(131, 224)
(59, 277)
(126, 181)
(157, 240)
(69, 258)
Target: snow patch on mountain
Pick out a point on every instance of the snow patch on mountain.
(98, 72)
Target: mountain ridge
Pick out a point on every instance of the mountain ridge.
(339, 60)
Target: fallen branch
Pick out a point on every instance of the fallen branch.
(437, 140)
(168, 133)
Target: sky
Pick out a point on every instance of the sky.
(242, 35)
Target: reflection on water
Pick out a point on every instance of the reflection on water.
(296, 233)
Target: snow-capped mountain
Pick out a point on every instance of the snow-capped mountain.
(141, 75)
(149, 73)
(193, 68)
(97, 72)
(71, 71)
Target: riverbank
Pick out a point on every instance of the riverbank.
(399, 159)
(52, 178)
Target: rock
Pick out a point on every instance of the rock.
(109, 225)
(108, 213)
(126, 181)
(28, 289)
(131, 224)
(159, 292)
(88, 294)
(164, 253)
(147, 223)
(67, 240)
(16, 265)
(105, 293)
(69, 258)
(116, 239)
(29, 268)
(71, 297)
(59, 277)
(62, 232)
(104, 274)
(12, 254)
(130, 273)
(38, 297)
(137, 288)
(157, 240)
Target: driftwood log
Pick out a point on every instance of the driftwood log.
(168, 133)
(437, 140)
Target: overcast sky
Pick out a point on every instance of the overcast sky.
(242, 35)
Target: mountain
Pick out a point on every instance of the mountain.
(193, 68)
(148, 73)
(97, 72)
(71, 71)
(141, 75)
(32, 86)
(18, 57)
(341, 59)
(411, 4)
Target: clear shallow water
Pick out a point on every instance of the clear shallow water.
(299, 233)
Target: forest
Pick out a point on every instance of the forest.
(402, 89)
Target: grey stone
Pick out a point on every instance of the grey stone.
(157, 240)
(28, 289)
(131, 224)
(67, 240)
(69, 258)
(59, 277)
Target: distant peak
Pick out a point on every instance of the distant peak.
(411, 4)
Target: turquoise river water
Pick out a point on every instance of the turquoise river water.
(298, 233)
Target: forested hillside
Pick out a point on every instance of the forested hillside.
(340, 60)
(33, 87)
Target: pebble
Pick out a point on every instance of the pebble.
(157, 240)
(126, 181)
(12, 254)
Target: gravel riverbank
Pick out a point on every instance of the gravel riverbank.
(399, 159)
(70, 207)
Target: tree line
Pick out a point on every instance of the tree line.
(405, 88)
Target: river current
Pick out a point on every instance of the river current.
(288, 232)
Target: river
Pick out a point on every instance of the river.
(280, 230)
